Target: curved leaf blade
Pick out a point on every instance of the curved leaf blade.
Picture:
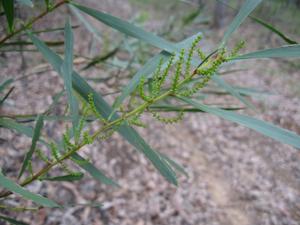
(265, 128)
(66, 72)
(175, 165)
(8, 7)
(290, 51)
(266, 25)
(128, 28)
(274, 30)
(15, 188)
(246, 9)
(86, 23)
(35, 138)
(5, 83)
(12, 221)
(93, 171)
(11, 124)
(221, 82)
(69, 178)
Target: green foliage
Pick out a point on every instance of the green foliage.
(9, 10)
(42, 156)
(67, 70)
(179, 72)
(262, 127)
(93, 108)
(35, 138)
(12, 221)
(291, 51)
(12, 186)
(70, 178)
(246, 9)
(168, 120)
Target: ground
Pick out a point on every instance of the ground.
(236, 176)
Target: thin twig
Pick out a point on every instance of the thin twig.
(31, 22)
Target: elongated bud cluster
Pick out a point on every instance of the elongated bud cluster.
(180, 81)
(168, 120)
(175, 81)
(190, 55)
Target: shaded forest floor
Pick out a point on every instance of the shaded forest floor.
(236, 176)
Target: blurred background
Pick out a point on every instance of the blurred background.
(236, 176)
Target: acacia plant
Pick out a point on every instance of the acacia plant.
(170, 81)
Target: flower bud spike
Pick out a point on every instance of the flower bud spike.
(201, 54)
(178, 71)
(54, 151)
(156, 80)
(190, 55)
(66, 141)
(106, 135)
(237, 48)
(93, 108)
(169, 120)
(157, 71)
(87, 139)
(142, 91)
(42, 156)
(165, 73)
(133, 101)
(56, 157)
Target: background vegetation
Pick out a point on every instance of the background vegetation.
(47, 102)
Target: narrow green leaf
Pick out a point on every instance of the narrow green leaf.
(11, 124)
(8, 7)
(84, 89)
(290, 51)
(2, 87)
(5, 84)
(219, 80)
(48, 4)
(92, 170)
(171, 108)
(69, 178)
(137, 141)
(6, 95)
(274, 30)
(174, 164)
(86, 23)
(52, 30)
(191, 16)
(15, 188)
(265, 24)
(12, 221)
(265, 128)
(99, 59)
(26, 43)
(246, 9)
(128, 28)
(252, 92)
(35, 138)
(26, 2)
(242, 91)
(66, 71)
(30, 118)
